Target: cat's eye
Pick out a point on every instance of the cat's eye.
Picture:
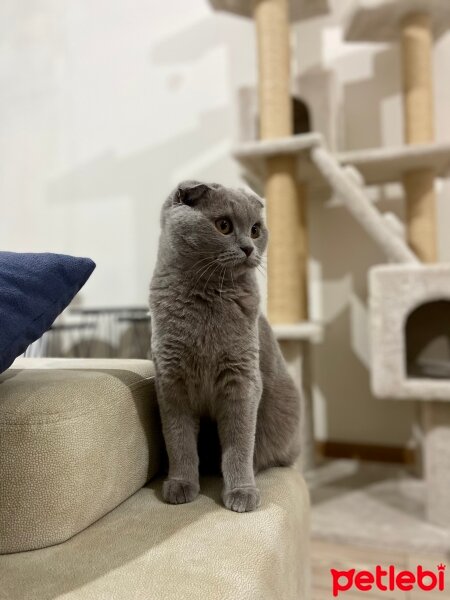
(224, 225)
(255, 230)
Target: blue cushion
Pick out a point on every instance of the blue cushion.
(34, 289)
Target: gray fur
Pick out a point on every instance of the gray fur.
(214, 352)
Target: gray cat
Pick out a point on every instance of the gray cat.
(214, 352)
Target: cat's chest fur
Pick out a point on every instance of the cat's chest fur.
(197, 338)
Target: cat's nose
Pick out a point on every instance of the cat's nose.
(247, 250)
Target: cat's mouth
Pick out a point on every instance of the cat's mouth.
(240, 263)
(249, 262)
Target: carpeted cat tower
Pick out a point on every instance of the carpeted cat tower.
(410, 304)
(409, 301)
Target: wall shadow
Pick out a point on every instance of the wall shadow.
(362, 101)
(145, 177)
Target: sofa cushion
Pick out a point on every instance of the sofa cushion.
(77, 437)
(147, 550)
(34, 289)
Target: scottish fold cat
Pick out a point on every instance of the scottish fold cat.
(215, 354)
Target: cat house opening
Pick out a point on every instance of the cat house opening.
(301, 117)
(427, 341)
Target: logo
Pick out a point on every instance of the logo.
(388, 579)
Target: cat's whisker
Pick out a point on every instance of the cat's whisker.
(198, 274)
(221, 285)
(189, 274)
(261, 271)
(203, 260)
(210, 275)
(232, 281)
(209, 257)
(203, 272)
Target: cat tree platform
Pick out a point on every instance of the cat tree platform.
(346, 181)
(385, 165)
(376, 165)
(410, 353)
(299, 10)
(307, 331)
(381, 20)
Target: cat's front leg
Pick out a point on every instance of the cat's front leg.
(180, 429)
(236, 422)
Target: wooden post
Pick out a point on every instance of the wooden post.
(287, 254)
(417, 41)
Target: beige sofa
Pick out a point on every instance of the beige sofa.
(79, 442)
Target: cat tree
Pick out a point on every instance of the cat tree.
(287, 164)
(397, 292)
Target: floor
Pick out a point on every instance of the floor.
(371, 514)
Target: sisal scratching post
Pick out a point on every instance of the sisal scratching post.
(272, 29)
(417, 41)
(285, 200)
(421, 213)
(287, 253)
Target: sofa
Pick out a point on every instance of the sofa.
(81, 512)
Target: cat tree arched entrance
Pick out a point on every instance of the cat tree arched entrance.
(427, 340)
(301, 116)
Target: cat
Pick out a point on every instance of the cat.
(215, 354)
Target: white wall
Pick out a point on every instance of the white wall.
(105, 105)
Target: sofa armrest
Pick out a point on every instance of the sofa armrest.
(77, 437)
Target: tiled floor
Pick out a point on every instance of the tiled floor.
(369, 514)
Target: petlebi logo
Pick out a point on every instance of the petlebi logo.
(388, 579)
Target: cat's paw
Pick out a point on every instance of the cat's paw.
(242, 499)
(176, 491)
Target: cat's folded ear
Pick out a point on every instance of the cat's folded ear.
(190, 192)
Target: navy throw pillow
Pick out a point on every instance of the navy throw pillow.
(34, 290)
